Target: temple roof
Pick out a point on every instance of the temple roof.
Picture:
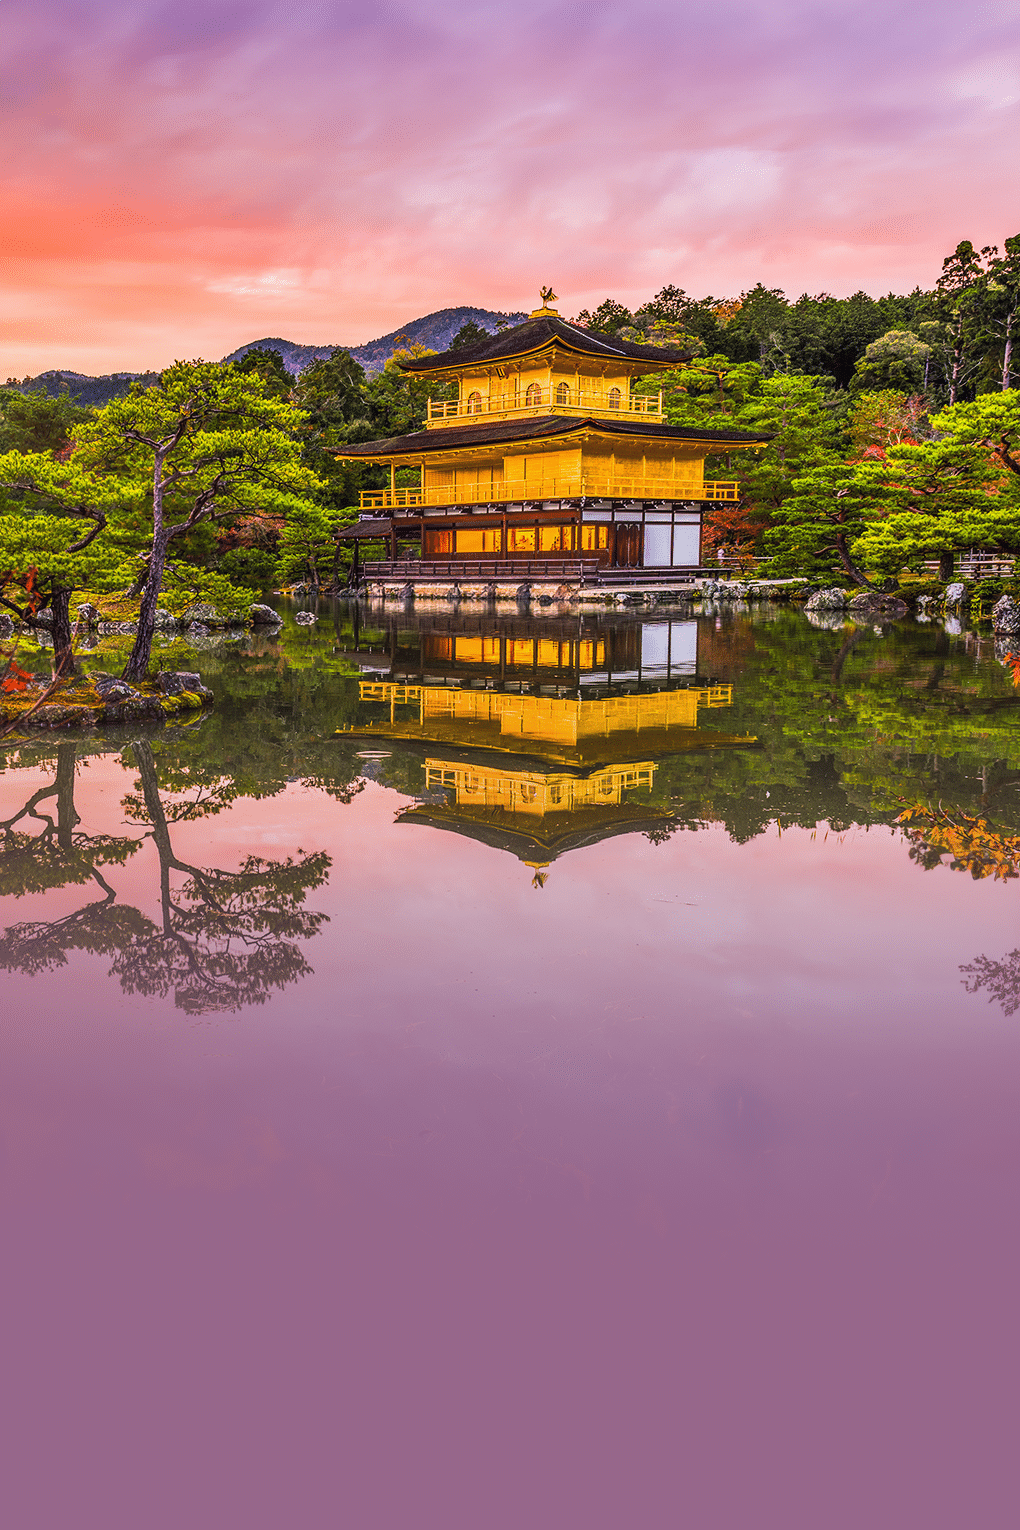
(544, 840)
(535, 428)
(536, 334)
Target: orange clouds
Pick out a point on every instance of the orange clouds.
(182, 179)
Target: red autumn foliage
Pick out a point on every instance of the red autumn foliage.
(16, 679)
(730, 529)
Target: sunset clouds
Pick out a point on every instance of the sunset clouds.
(180, 179)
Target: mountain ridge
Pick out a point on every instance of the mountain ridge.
(432, 330)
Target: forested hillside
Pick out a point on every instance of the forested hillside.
(434, 332)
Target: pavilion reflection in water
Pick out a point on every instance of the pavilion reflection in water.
(592, 653)
(567, 760)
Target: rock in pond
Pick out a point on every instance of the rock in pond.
(827, 600)
(172, 682)
(874, 603)
(1006, 615)
(305, 618)
(265, 616)
(957, 596)
(109, 686)
(201, 612)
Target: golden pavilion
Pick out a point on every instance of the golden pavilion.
(547, 463)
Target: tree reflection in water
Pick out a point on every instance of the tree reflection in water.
(975, 845)
(58, 855)
(225, 940)
(1001, 979)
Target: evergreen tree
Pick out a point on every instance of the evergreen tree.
(940, 497)
(758, 329)
(397, 401)
(308, 547)
(796, 413)
(262, 361)
(36, 421)
(816, 526)
(962, 292)
(1004, 289)
(897, 361)
(205, 444)
(55, 541)
(331, 393)
(609, 317)
(469, 333)
(694, 319)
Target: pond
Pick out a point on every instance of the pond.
(520, 1069)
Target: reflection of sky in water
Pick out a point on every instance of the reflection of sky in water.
(676, 1189)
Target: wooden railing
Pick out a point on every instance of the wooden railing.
(551, 488)
(977, 566)
(600, 401)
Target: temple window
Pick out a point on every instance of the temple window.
(437, 544)
(533, 395)
(474, 403)
(562, 394)
(521, 538)
(554, 538)
(614, 398)
(478, 539)
(594, 537)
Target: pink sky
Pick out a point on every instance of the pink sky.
(181, 179)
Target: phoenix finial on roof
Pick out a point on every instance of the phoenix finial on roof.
(547, 294)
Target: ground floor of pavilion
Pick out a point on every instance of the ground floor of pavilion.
(602, 534)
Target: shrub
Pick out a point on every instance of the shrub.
(251, 568)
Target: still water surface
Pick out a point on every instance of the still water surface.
(520, 1071)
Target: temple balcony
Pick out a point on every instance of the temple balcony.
(605, 404)
(517, 490)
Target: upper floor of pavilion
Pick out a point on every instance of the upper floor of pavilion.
(543, 367)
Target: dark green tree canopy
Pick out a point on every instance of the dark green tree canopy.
(262, 362)
(36, 421)
(469, 334)
(330, 392)
(607, 318)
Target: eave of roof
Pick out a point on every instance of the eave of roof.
(439, 442)
(365, 529)
(546, 841)
(537, 334)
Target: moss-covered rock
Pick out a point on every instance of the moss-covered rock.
(88, 701)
